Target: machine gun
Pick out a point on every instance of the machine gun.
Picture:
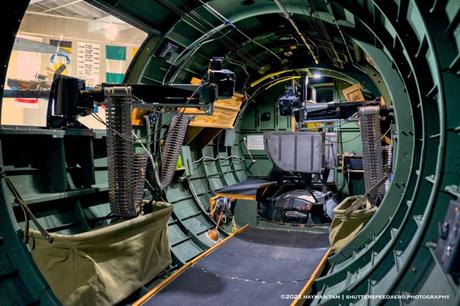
(69, 99)
(333, 111)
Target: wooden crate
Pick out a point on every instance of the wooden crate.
(353, 93)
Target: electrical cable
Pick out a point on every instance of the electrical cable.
(204, 29)
(192, 12)
(152, 161)
(189, 56)
(286, 15)
(226, 21)
(193, 47)
(346, 141)
(170, 157)
(184, 15)
(243, 67)
(260, 89)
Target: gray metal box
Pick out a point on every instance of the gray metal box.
(301, 151)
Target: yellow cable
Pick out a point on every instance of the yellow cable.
(283, 80)
(257, 82)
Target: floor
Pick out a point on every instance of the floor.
(314, 229)
(255, 267)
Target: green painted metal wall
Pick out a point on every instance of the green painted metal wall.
(251, 124)
(392, 254)
(415, 45)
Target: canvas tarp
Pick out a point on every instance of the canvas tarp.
(104, 266)
(345, 227)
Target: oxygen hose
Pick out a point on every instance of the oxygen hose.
(171, 150)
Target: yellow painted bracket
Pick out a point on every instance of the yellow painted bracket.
(277, 73)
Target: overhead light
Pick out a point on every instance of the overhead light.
(317, 75)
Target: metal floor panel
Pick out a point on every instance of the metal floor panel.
(254, 267)
(248, 186)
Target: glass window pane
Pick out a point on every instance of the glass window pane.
(68, 37)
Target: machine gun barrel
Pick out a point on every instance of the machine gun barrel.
(333, 110)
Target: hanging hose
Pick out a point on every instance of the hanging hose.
(171, 150)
